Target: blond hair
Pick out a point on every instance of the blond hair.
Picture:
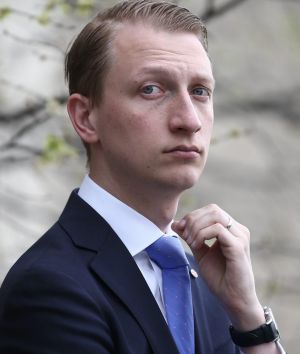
(87, 61)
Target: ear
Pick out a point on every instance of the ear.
(80, 112)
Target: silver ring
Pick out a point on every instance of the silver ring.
(230, 222)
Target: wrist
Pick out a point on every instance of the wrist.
(265, 333)
(248, 318)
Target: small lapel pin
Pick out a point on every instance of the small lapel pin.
(194, 274)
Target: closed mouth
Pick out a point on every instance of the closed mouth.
(184, 148)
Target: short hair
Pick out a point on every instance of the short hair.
(87, 61)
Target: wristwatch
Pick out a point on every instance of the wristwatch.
(266, 333)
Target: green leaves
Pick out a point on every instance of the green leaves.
(4, 12)
(62, 4)
(43, 19)
(56, 149)
(84, 7)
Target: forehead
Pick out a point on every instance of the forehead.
(138, 48)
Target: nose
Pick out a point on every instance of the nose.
(184, 115)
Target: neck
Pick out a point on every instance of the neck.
(159, 206)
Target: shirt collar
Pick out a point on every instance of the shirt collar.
(136, 231)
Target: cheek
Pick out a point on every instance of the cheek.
(137, 126)
(127, 133)
(209, 127)
(208, 121)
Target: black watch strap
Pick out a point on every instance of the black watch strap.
(266, 333)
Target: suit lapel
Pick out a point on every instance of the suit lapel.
(203, 334)
(210, 318)
(124, 278)
(114, 265)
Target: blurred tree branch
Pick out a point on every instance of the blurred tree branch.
(12, 142)
(213, 11)
(33, 42)
(30, 109)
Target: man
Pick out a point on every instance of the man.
(141, 88)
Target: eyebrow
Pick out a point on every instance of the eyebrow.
(165, 71)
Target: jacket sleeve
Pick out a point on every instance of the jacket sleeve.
(48, 312)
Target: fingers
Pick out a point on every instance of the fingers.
(207, 216)
(226, 265)
(208, 223)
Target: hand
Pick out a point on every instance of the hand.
(226, 265)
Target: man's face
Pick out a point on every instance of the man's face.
(155, 117)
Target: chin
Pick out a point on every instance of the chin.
(186, 180)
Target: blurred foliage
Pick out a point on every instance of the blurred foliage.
(81, 7)
(84, 7)
(233, 133)
(64, 5)
(56, 149)
(4, 12)
(44, 18)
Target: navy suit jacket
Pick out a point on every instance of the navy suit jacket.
(77, 290)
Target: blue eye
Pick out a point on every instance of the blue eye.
(201, 91)
(151, 89)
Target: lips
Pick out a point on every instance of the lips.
(184, 151)
(184, 148)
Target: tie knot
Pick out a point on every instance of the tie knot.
(167, 252)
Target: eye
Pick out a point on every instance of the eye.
(201, 91)
(151, 90)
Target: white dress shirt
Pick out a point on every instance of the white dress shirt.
(134, 230)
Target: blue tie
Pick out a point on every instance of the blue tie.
(168, 254)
